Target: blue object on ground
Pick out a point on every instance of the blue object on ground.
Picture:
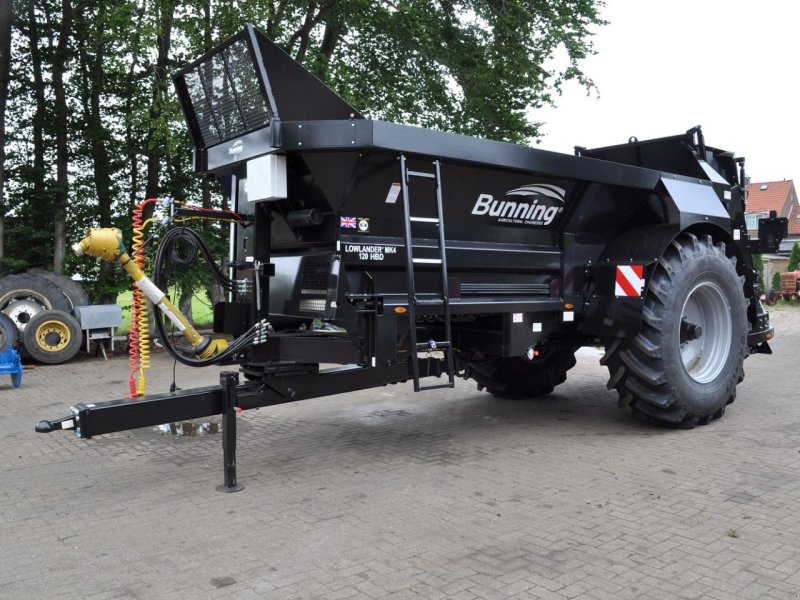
(10, 364)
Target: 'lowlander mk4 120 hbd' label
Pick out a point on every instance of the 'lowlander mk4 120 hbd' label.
(370, 252)
(535, 204)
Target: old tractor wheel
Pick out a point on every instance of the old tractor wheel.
(24, 296)
(52, 337)
(682, 369)
(72, 289)
(9, 336)
(517, 377)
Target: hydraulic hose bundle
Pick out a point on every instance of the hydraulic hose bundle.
(183, 213)
(167, 251)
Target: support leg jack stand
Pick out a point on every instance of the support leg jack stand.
(229, 381)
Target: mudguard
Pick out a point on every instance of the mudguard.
(619, 278)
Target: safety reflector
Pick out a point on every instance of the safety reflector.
(629, 281)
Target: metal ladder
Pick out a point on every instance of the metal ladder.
(443, 300)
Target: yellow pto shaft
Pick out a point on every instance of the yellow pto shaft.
(106, 243)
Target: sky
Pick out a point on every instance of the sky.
(664, 66)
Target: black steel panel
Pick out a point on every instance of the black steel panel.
(380, 135)
(499, 304)
(609, 316)
(523, 330)
(695, 201)
(298, 94)
(490, 289)
(379, 251)
(307, 347)
(225, 156)
(644, 244)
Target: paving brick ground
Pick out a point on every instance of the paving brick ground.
(390, 495)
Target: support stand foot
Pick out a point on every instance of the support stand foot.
(229, 382)
(228, 490)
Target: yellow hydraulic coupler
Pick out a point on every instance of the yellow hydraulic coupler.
(106, 243)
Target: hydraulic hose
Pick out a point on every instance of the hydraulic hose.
(139, 334)
(196, 243)
(166, 249)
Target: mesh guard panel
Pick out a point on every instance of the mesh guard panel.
(314, 287)
(225, 95)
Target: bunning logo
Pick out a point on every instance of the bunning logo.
(534, 204)
(236, 148)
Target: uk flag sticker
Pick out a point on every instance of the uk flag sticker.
(347, 222)
(629, 281)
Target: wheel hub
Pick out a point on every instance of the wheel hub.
(690, 331)
(706, 332)
(52, 336)
(21, 311)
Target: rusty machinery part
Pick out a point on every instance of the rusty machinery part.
(25, 295)
(52, 337)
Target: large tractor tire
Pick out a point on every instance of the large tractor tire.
(517, 377)
(682, 369)
(24, 296)
(9, 336)
(52, 337)
(73, 290)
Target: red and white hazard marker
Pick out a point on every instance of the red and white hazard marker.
(629, 281)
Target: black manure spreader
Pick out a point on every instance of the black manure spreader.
(406, 254)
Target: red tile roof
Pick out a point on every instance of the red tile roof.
(774, 197)
(794, 220)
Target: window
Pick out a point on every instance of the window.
(751, 220)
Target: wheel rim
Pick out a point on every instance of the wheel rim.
(22, 305)
(706, 332)
(52, 336)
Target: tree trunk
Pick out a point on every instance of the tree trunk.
(132, 140)
(5, 64)
(96, 130)
(61, 131)
(185, 303)
(330, 39)
(41, 210)
(157, 129)
(303, 34)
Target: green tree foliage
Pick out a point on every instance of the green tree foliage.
(794, 257)
(92, 119)
(475, 67)
(776, 281)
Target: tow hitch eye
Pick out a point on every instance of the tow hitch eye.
(690, 331)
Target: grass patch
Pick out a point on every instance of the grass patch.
(202, 311)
